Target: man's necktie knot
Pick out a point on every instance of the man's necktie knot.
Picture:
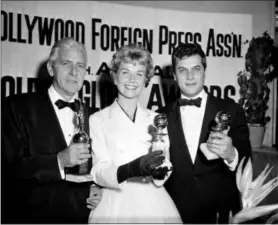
(75, 106)
(195, 102)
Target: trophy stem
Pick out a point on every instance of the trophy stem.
(83, 168)
(160, 122)
(82, 137)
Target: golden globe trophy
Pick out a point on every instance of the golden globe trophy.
(160, 122)
(82, 137)
(222, 121)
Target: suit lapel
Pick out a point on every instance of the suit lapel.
(51, 124)
(176, 131)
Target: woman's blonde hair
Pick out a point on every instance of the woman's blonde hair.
(130, 53)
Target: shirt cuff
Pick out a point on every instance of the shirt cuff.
(233, 164)
(61, 169)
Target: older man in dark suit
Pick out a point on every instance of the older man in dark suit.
(203, 188)
(37, 148)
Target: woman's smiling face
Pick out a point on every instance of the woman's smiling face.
(130, 79)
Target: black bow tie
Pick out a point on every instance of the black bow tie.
(195, 102)
(75, 106)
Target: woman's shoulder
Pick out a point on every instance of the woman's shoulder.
(150, 112)
(101, 114)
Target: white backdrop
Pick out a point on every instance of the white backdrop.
(29, 29)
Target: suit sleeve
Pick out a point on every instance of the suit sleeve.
(104, 171)
(240, 135)
(161, 110)
(20, 161)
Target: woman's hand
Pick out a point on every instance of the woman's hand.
(95, 197)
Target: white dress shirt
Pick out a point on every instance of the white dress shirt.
(192, 121)
(67, 119)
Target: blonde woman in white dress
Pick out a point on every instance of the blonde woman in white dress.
(123, 161)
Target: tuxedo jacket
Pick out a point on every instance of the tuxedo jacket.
(205, 189)
(32, 188)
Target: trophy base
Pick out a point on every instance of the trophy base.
(79, 174)
(83, 169)
(79, 178)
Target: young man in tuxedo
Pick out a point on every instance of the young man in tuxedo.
(37, 148)
(203, 190)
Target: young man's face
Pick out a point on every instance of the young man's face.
(190, 75)
(69, 70)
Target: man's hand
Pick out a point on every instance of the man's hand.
(221, 144)
(95, 197)
(73, 155)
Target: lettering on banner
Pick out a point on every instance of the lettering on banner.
(105, 35)
(228, 45)
(111, 37)
(21, 28)
(106, 91)
(171, 39)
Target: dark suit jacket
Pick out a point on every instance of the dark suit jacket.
(32, 188)
(201, 189)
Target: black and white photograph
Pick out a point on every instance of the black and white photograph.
(139, 112)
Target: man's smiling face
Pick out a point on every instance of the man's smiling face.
(190, 75)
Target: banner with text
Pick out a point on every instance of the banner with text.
(29, 30)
